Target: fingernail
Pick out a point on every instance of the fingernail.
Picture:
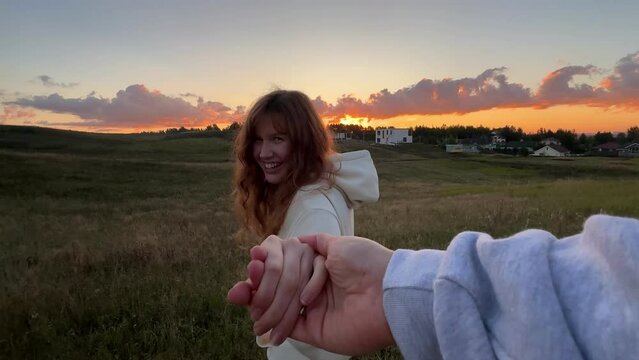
(275, 338)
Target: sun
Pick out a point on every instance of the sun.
(349, 120)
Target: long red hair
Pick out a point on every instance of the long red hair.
(261, 207)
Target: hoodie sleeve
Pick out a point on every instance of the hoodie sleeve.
(529, 296)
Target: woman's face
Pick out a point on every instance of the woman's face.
(272, 151)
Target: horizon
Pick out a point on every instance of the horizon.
(118, 67)
(160, 131)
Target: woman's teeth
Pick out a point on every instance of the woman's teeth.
(271, 165)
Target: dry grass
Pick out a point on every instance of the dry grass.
(103, 258)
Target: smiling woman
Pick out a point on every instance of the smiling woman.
(272, 150)
(289, 182)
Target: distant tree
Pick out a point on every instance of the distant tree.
(585, 143)
(233, 127)
(603, 137)
(620, 138)
(567, 138)
(583, 139)
(213, 127)
(511, 134)
(523, 151)
(540, 135)
(632, 135)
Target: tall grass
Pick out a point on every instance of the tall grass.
(107, 256)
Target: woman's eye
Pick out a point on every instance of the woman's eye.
(257, 141)
(278, 139)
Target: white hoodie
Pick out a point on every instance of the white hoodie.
(322, 208)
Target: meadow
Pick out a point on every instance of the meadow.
(124, 246)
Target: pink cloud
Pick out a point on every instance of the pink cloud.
(557, 88)
(136, 106)
(492, 89)
(12, 112)
(488, 90)
(623, 84)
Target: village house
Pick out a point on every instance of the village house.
(630, 150)
(495, 141)
(393, 136)
(342, 136)
(551, 150)
(550, 141)
(606, 149)
(462, 148)
(517, 146)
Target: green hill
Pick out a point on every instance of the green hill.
(178, 147)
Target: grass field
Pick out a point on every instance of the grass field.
(122, 246)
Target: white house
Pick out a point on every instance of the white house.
(630, 150)
(341, 136)
(461, 148)
(393, 136)
(551, 150)
(550, 141)
(496, 139)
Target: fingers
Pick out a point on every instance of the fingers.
(272, 272)
(240, 293)
(314, 286)
(255, 271)
(319, 243)
(310, 328)
(286, 324)
(287, 294)
(258, 253)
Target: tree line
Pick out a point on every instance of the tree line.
(570, 139)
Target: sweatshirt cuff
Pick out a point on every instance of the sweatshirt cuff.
(410, 268)
(408, 301)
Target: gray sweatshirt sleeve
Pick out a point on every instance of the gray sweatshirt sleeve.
(529, 296)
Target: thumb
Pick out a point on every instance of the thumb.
(318, 242)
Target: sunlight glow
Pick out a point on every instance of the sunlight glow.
(349, 120)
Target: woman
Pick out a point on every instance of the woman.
(290, 182)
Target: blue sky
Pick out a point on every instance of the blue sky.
(230, 52)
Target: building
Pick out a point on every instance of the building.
(461, 148)
(630, 150)
(496, 139)
(517, 146)
(393, 136)
(551, 150)
(608, 149)
(550, 141)
(342, 136)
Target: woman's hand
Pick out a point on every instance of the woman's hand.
(344, 312)
(283, 275)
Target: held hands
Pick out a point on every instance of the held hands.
(344, 309)
(278, 271)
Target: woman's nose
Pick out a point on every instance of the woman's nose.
(265, 151)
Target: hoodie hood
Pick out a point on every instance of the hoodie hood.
(356, 177)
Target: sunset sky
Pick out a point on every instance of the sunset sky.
(122, 66)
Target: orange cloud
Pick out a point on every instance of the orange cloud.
(13, 112)
(492, 90)
(135, 107)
